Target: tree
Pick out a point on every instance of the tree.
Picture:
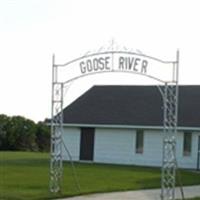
(4, 120)
(43, 136)
(21, 134)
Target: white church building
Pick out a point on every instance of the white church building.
(124, 125)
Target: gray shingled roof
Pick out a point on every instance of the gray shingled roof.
(131, 105)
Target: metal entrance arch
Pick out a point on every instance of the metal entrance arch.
(118, 62)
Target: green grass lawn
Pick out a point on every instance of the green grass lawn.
(198, 198)
(25, 175)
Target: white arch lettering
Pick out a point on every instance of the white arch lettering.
(95, 64)
(123, 63)
(133, 64)
(119, 61)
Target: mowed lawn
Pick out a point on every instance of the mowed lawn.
(25, 175)
(198, 198)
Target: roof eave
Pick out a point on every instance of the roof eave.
(127, 126)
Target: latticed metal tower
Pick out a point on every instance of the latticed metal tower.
(169, 163)
(169, 143)
(56, 168)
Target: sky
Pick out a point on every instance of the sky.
(31, 31)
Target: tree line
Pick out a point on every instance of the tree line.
(20, 134)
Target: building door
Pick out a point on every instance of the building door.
(198, 155)
(87, 144)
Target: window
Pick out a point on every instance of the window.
(139, 141)
(187, 144)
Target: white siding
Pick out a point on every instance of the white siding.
(71, 139)
(113, 145)
(152, 155)
(187, 161)
(118, 146)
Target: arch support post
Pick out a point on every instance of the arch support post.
(169, 142)
(170, 120)
(56, 166)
